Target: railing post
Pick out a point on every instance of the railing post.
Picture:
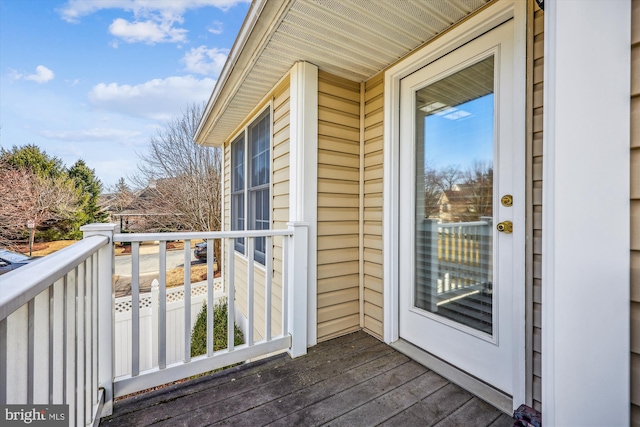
(297, 265)
(106, 299)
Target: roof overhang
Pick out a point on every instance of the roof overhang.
(353, 39)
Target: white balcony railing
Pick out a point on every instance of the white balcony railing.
(57, 317)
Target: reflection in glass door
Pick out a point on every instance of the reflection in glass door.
(454, 196)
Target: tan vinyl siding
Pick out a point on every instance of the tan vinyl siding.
(635, 213)
(279, 217)
(338, 201)
(373, 174)
(536, 176)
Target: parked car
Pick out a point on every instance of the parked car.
(12, 260)
(200, 252)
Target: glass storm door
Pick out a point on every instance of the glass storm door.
(455, 266)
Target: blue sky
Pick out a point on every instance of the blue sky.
(460, 135)
(94, 79)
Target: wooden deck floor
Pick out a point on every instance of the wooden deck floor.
(354, 380)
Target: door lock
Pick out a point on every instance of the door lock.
(505, 227)
(507, 200)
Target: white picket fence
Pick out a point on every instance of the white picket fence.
(149, 321)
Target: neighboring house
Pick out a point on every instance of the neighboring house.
(329, 111)
(139, 211)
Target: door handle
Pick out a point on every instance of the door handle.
(505, 227)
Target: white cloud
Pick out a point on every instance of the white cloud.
(216, 27)
(73, 10)
(95, 134)
(201, 60)
(147, 31)
(158, 99)
(155, 20)
(42, 75)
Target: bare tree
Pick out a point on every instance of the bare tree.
(122, 196)
(24, 196)
(187, 176)
(478, 190)
(447, 177)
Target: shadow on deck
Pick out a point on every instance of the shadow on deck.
(354, 380)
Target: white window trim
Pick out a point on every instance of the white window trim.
(245, 132)
(480, 23)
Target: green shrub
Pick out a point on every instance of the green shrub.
(199, 333)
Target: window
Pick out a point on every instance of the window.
(254, 191)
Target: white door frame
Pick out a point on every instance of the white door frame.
(480, 23)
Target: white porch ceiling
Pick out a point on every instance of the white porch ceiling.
(354, 39)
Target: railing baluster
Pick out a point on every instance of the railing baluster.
(30, 350)
(51, 339)
(135, 309)
(41, 359)
(71, 350)
(162, 318)
(79, 341)
(94, 330)
(231, 297)
(187, 301)
(267, 287)
(250, 291)
(286, 241)
(59, 341)
(210, 300)
(3, 361)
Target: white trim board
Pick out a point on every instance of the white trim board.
(480, 23)
(586, 214)
(303, 174)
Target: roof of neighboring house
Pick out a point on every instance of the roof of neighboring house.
(352, 39)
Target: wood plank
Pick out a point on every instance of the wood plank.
(383, 408)
(311, 400)
(340, 403)
(432, 408)
(474, 412)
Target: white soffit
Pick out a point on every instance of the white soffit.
(354, 39)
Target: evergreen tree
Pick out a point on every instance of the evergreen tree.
(90, 188)
(34, 159)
